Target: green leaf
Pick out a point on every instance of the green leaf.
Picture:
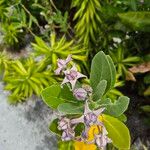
(50, 96)
(117, 132)
(117, 108)
(136, 20)
(66, 145)
(66, 93)
(146, 108)
(100, 90)
(79, 129)
(54, 127)
(102, 68)
(69, 108)
(55, 95)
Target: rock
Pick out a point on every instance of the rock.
(25, 126)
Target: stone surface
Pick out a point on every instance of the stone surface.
(25, 126)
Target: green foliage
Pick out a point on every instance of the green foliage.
(11, 33)
(122, 61)
(116, 108)
(88, 20)
(4, 60)
(61, 48)
(102, 68)
(54, 127)
(146, 108)
(66, 145)
(118, 132)
(61, 20)
(100, 90)
(136, 20)
(62, 99)
(26, 78)
(3, 9)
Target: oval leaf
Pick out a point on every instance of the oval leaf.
(69, 108)
(55, 95)
(118, 107)
(50, 96)
(102, 68)
(117, 132)
(100, 90)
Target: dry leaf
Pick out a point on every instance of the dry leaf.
(130, 76)
(142, 68)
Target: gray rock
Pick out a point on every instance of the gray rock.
(25, 126)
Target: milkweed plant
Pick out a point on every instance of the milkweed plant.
(85, 115)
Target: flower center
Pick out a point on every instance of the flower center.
(90, 119)
(72, 75)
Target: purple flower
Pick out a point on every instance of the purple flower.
(72, 76)
(80, 94)
(64, 124)
(62, 64)
(90, 117)
(101, 140)
(68, 134)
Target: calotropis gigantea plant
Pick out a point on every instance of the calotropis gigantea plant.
(84, 107)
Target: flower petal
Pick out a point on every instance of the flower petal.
(78, 120)
(86, 108)
(98, 111)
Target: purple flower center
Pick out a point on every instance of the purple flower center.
(90, 119)
(72, 75)
(61, 63)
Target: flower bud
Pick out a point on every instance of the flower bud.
(80, 94)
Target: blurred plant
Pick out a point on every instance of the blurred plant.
(4, 62)
(123, 60)
(88, 20)
(21, 17)
(3, 9)
(58, 48)
(24, 78)
(11, 33)
(137, 21)
(114, 93)
(61, 20)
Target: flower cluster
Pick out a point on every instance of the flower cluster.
(89, 117)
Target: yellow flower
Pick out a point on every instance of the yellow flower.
(92, 131)
(83, 146)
